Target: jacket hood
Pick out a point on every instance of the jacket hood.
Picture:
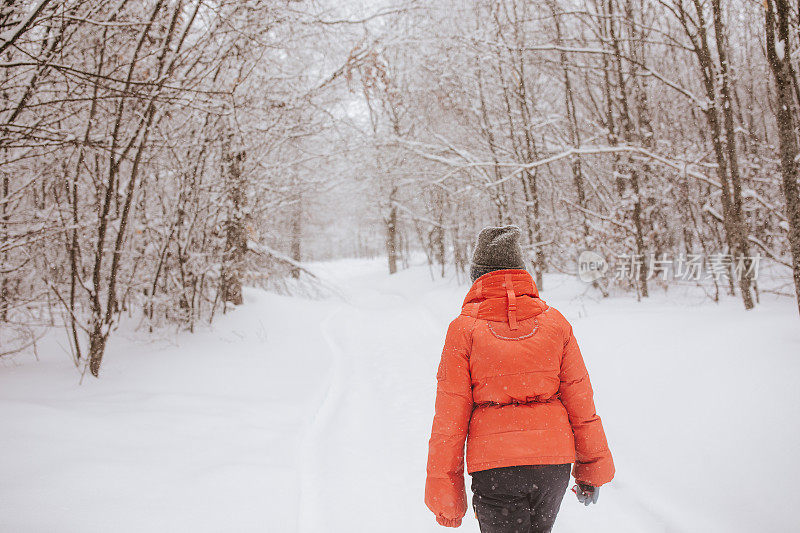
(504, 296)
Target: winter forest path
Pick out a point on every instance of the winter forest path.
(296, 415)
(367, 466)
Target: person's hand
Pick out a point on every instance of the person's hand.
(586, 493)
(448, 522)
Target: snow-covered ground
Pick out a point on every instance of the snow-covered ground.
(313, 415)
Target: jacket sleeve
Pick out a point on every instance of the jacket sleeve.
(444, 488)
(593, 462)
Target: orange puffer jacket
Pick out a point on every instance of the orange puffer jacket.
(512, 383)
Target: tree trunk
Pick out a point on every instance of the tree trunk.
(97, 347)
(391, 233)
(529, 178)
(235, 231)
(4, 266)
(297, 237)
(724, 152)
(572, 119)
(777, 30)
(629, 188)
(742, 252)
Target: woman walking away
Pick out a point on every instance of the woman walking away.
(512, 383)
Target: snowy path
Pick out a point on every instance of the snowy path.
(371, 456)
(313, 416)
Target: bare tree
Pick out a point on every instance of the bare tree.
(777, 17)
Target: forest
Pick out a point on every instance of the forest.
(158, 155)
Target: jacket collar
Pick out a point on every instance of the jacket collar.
(504, 296)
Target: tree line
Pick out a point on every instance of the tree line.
(157, 155)
(655, 129)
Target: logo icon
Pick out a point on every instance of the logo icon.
(591, 266)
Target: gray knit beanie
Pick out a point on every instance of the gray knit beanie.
(497, 249)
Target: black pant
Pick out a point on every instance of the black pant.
(519, 499)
